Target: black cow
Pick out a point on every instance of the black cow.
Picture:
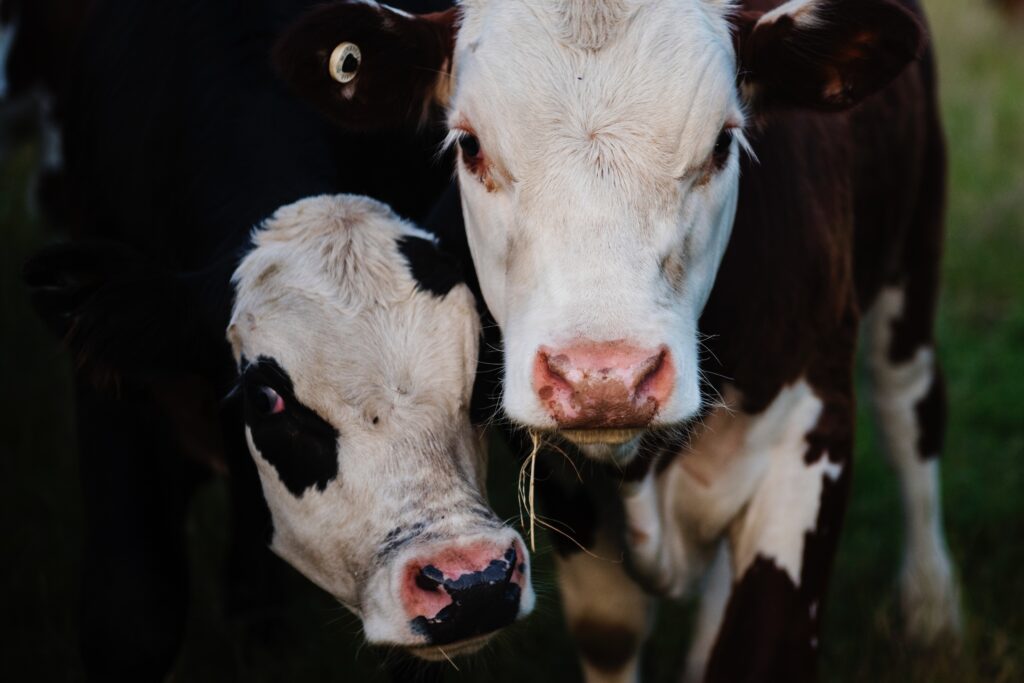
(177, 140)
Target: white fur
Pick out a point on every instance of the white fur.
(928, 593)
(596, 176)
(804, 13)
(714, 598)
(741, 474)
(786, 504)
(327, 294)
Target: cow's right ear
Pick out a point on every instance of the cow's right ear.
(368, 66)
(120, 316)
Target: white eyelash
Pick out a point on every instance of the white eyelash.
(451, 138)
(744, 143)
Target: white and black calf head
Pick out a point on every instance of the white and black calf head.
(599, 147)
(357, 348)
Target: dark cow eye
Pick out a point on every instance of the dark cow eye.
(266, 401)
(470, 145)
(723, 145)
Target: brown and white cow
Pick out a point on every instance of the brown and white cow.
(680, 212)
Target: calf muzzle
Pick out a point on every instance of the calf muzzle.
(465, 592)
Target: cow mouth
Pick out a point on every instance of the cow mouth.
(610, 437)
(435, 653)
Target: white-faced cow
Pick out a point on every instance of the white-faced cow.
(356, 342)
(680, 212)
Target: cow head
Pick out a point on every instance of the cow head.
(357, 347)
(598, 159)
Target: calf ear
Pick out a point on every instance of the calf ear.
(825, 54)
(120, 316)
(368, 66)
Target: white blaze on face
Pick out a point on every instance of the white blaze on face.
(598, 207)
(370, 450)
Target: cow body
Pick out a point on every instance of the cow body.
(609, 206)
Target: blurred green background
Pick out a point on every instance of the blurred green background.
(981, 332)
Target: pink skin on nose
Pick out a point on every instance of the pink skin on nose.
(453, 562)
(607, 385)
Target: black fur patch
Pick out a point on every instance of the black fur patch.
(434, 270)
(301, 445)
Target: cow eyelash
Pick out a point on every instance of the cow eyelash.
(471, 153)
(721, 152)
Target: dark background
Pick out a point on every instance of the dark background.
(981, 332)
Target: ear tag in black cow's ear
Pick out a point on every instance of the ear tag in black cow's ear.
(345, 61)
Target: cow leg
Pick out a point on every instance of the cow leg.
(910, 404)
(910, 407)
(135, 580)
(609, 615)
(714, 596)
(607, 612)
(784, 541)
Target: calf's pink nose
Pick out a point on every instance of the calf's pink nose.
(606, 385)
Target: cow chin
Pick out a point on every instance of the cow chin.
(437, 653)
(614, 446)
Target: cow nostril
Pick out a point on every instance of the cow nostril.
(649, 370)
(558, 365)
(429, 578)
(558, 368)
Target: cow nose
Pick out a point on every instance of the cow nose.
(462, 592)
(608, 385)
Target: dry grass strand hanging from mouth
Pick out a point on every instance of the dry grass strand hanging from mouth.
(526, 497)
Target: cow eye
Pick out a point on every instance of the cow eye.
(470, 145)
(723, 145)
(266, 401)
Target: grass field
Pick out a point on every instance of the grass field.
(981, 343)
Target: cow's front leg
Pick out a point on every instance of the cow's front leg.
(784, 541)
(714, 596)
(910, 406)
(607, 612)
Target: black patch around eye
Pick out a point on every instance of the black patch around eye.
(434, 270)
(470, 145)
(301, 445)
(723, 145)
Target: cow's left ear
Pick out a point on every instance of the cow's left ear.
(366, 65)
(824, 54)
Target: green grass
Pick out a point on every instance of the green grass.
(981, 331)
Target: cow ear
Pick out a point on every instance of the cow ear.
(119, 315)
(824, 54)
(368, 66)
